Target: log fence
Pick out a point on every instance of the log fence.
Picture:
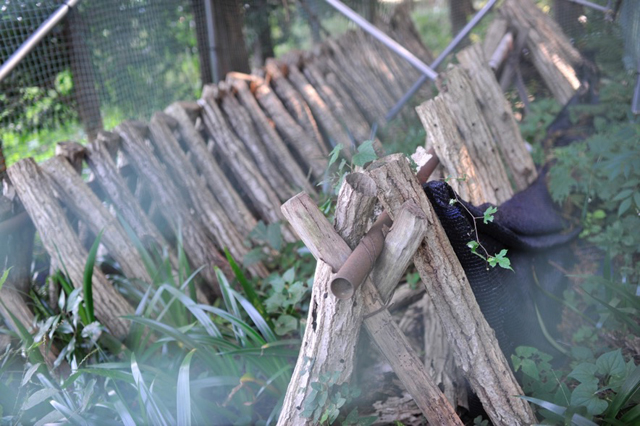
(206, 171)
(209, 170)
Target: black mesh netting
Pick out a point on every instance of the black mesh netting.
(536, 238)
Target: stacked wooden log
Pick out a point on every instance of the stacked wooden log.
(521, 24)
(206, 172)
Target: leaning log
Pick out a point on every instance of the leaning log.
(344, 109)
(334, 130)
(553, 55)
(113, 184)
(474, 343)
(241, 123)
(497, 113)
(226, 144)
(463, 142)
(206, 207)
(275, 146)
(295, 103)
(36, 193)
(85, 205)
(330, 341)
(217, 181)
(301, 144)
(200, 248)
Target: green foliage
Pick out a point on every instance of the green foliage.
(497, 259)
(285, 297)
(324, 402)
(183, 363)
(605, 386)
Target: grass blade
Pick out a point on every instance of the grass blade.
(149, 402)
(71, 417)
(197, 312)
(577, 419)
(258, 319)
(247, 288)
(125, 416)
(627, 390)
(4, 276)
(87, 279)
(184, 392)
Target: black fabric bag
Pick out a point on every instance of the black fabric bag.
(536, 237)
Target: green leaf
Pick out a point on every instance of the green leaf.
(334, 154)
(184, 391)
(624, 206)
(253, 256)
(586, 395)
(247, 287)
(289, 275)
(611, 364)
(274, 236)
(4, 276)
(585, 373)
(39, 397)
(87, 280)
(365, 154)
(488, 214)
(150, 403)
(285, 324)
(625, 193)
(528, 367)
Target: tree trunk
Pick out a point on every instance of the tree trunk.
(459, 11)
(61, 242)
(83, 76)
(476, 349)
(230, 49)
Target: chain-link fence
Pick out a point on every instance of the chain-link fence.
(112, 60)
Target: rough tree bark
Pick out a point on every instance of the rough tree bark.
(79, 198)
(462, 140)
(104, 168)
(475, 347)
(241, 122)
(36, 193)
(329, 123)
(497, 113)
(213, 217)
(553, 55)
(275, 146)
(200, 249)
(226, 144)
(302, 145)
(294, 103)
(335, 324)
(216, 179)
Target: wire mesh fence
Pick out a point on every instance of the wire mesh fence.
(108, 61)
